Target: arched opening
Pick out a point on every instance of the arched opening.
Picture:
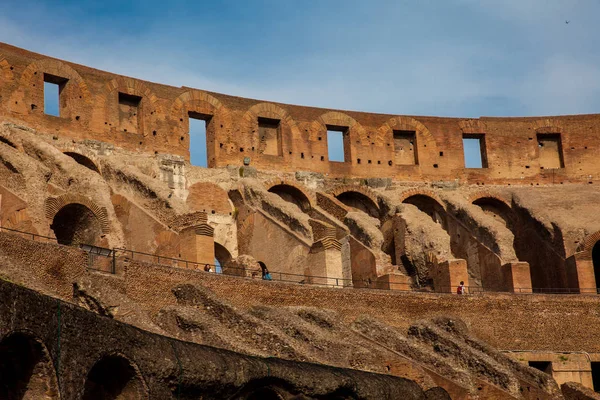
(222, 257)
(265, 393)
(112, 378)
(359, 201)
(496, 209)
(596, 261)
(83, 160)
(292, 195)
(76, 224)
(26, 370)
(430, 207)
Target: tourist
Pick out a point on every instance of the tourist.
(265, 272)
(207, 268)
(461, 288)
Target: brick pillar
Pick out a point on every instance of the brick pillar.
(326, 260)
(517, 277)
(448, 275)
(581, 272)
(197, 244)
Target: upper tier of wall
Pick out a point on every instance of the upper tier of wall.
(153, 118)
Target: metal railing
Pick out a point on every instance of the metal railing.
(108, 260)
(30, 235)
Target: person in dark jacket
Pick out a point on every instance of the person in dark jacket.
(265, 272)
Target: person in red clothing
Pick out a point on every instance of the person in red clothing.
(461, 288)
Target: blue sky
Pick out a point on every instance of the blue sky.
(465, 58)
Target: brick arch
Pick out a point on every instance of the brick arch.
(546, 125)
(115, 358)
(57, 68)
(588, 243)
(386, 130)
(7, 74)
(355, 188)
(472, 126)
(249, 123)
(480, 194)
(339, 119)
(40, 372)
(180, 104)
(54, 204)
(368, 193)
(548, 129)
(275, 182)
(108, 105)
(421, 192)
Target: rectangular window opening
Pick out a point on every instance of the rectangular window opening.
(550, 151)
(198, 138)
(336, 143)
(474, 151)
(53, 90)
(405, 148)
(596, 376)
(269, 133)
(544, 366)
(129, 112)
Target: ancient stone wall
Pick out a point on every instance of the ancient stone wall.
(55, 350)
(153, 118)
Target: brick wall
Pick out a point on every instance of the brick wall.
(93, 107)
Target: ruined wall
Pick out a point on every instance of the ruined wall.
(153, 118)
(59, 350)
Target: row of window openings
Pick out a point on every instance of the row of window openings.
(405, 148)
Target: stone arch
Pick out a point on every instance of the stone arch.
(57, 68)
(7, 73)
(83, 160)
(249, 125)
(203, 106)
(54, 204)
(588, 243)
(107, 112)
(497, 207)
(386, 131)
(292, 193)
(264, 393)
(267, 388)
(222, 255)
(208, 104)
(29, 94)
(430, 205)
(114, 376)
(425, 192)
(336, 118)
(546, 125)
(357, 197)
(26, 368)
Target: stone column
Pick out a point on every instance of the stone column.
(517, 277)
(448, 275)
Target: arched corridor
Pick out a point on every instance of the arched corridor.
(26, 370)
(292, 195)
(429, 206)
(113, 378)
(359, 201)
(76, 224)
